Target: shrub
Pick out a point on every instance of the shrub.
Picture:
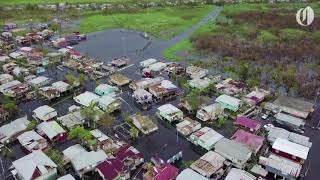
(266, 37)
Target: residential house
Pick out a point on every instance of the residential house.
(72, 152)
(39, 81)
(144, 123)
(228, 102)
(49, 92)
(187, 126)
(17, 55)
(112, 169)
(169, 113)
(10, 131)
(290, 150)
(166, 89)
(231, 87)
(276, 132)
(189, 174)
(7, 86)
(32, 141)
(52, 131)
(256, 97)
(147, 63)
(119, 79)
(105, 89)
(209, 165)
(195, 72)
(5, 78)
(86, 98)
(18, 90)
(154, 69)
(206, 138)
(254, 142)
(175, 69)
(142, 97)
(72, 119)
(290, 121)
(109, 103)
(233, 151)
(294, 106)
(199, 83)
(167, 171)
(36, 165)
(61, 86)
(238, 174)
(4, 58)
(8, 68)
(4, 115)
(102, 141)
(129, 156)
(145, 83)
(120, 61)
(210, 112)
(281, 166)
(87, 161)
(185, 103)
(248, 124)
(44, 113)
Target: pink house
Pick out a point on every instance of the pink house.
(130, 156)
(167, 172)
(254, 142)
(248, 124)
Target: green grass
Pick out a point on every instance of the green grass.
(162, 23)
(15, 2)
(171, 53)
(245, 29)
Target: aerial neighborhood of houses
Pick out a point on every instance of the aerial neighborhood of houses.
(67, 116)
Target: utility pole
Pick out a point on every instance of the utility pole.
(315, 105)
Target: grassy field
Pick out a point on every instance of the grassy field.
(242, 29)
(261, 44)
(160, 22)
(15, 2)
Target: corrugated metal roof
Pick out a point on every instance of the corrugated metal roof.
(291, 148)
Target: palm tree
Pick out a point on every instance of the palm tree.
(106, 120)
(134, 133)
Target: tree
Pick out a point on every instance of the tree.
(220, 122)
(71, 79)
(57, 157)
(81, 134)
(134, 133)
(9, 104)
(82, 79)
(106, 120)
(32, 125)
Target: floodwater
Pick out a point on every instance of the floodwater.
(108, 44)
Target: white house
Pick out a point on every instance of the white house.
(209, 112)
(36, 165)
(86, 98)
(44, 113)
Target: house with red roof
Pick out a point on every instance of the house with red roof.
(248, 124)
(112, 169)
(129, 156)
(167, 172)
(254, 142)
